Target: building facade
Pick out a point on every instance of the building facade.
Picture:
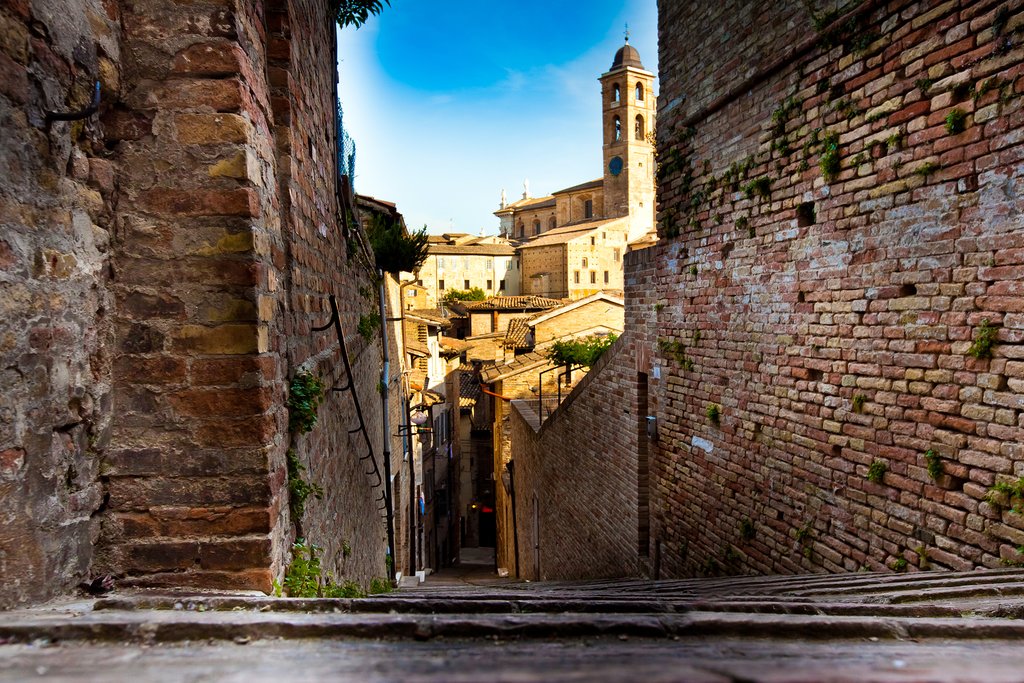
(571, 242)
(459, 262)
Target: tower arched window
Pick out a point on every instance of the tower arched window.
(639, 92)
(522, 229)
(551, 223)
(615, 93)
(638, 128)
(618, 129)
(536, 226)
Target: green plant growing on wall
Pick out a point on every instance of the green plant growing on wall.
(299, 490)
(583, 352)
(984, 340)
(305, 393)
(346, 549)
(876, 471)
(693, 269)
(923, 84)
(805, 539)
(758, 187)
(305, 578)
(368, 325)
(714, 413)
(858, 402)
(899, 565)
(742, 223)
(379, 586)
(747, 530)
(828, 162)
(926, 169)
(730, 555)
(934, 463)
(710, 567)
(956, 121)
(1005, 493)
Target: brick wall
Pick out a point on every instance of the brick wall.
(56, 198)
(574, 503)
(835, 314)
(165, 262)
(839, 215)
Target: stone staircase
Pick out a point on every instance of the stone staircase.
(864, 620)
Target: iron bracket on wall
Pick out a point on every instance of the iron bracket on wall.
(349, 387)
(77, 115)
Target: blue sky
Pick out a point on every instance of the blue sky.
(451, 102)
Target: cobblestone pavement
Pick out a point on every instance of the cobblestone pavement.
(469, 626)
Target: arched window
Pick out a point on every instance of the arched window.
(618, 129)
(639, 127)
(615, 94)
(536, 226)
(588, 208)
(551, 223)
(639, 92)
(522, 229)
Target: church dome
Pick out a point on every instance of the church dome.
(627, 56)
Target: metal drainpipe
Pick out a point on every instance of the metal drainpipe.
(408, 436)
(385, 421)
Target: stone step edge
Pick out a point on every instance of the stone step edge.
(518, 605)
(246, 627)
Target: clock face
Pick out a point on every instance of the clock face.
(615, 165)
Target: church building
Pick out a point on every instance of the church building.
(571, 242)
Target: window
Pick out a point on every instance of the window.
(593, 241)
(584, 263)
(618, 129)
(606, 277)
(551, 223)
(604, 235)
(616, 255)
(576, 276)
(639, 92)
(501, 285)
(615, 94)
(490, 284)
(522, 229)
(465, 284)
(638, 129)
(440, 285)
(588, 208)
(536, 226)
(593, 277)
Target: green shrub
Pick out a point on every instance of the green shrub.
(583, 352)
(714, 413)
(299, 490)
(395, 249)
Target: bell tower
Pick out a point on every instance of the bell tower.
(628, 106)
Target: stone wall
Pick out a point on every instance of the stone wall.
(839, 218)
(57, 196)
(164, 262)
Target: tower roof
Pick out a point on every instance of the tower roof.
(627, 56)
